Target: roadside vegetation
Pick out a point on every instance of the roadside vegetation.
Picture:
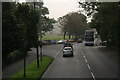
(22, 22)
(33, 73)
(105, 20)
(73, 24)
(53, 37)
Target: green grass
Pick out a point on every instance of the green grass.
(53, 37)
(32, 72)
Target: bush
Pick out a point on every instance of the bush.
(13, 57)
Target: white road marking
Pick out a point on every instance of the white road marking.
(82, 53)
(93, 75)
(88, 66)
(51, 63)
(96, 47)
(83, 56)
(86, 60)
(57, 53)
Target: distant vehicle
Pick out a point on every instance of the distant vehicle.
(67, 51)
(70, 40)
(96, 36)
(46, 42)
(79, 41)
(53, 42)
(89, 37)
(68, 44)
(43, 42)
(61, 42)
(104, 43)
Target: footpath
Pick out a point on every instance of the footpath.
(17, 66)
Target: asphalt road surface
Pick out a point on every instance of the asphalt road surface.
(49, 50)
(87, 62)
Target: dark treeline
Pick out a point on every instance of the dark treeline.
(106, 17)
(20, 24)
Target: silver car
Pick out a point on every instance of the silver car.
(67, 51)
(61, 42)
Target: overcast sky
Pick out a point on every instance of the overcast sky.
(58, 8)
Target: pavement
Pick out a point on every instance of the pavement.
(17, 66)
(49, 50)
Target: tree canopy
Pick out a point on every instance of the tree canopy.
(73, 24)
(105, 20)
(20, 25)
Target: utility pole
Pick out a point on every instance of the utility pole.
(41, 45)
(40, 30)
(24, 65)
(37, 43)
(25, 53)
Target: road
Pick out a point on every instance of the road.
(88, 62)
(49, 50)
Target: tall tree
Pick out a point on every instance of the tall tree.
(73, 24)
(12, 34)
(62, 25)
(77, 24)
(103, 14)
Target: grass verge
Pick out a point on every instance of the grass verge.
(53, 37)
(32, 72)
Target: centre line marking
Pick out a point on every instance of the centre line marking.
(86, 60)
(82, 53)
(93, 75)
(83, 56)
(88, 66)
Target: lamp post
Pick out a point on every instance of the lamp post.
(24, 65)
(41, 44)
(40, 32)
(37, 43)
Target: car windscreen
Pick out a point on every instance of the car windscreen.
(67, 49)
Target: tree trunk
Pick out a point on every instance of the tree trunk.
(24, 65)
(64, 35)
(37, 56)
(37, 50)
(69, 36)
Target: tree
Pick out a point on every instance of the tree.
(20, 28)
(106, 21)
(12, 34)
(62, 21)
(73, 24)
(77, 24)
(20, 22)
(26, 15)
(108, 29)
(45, 23)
